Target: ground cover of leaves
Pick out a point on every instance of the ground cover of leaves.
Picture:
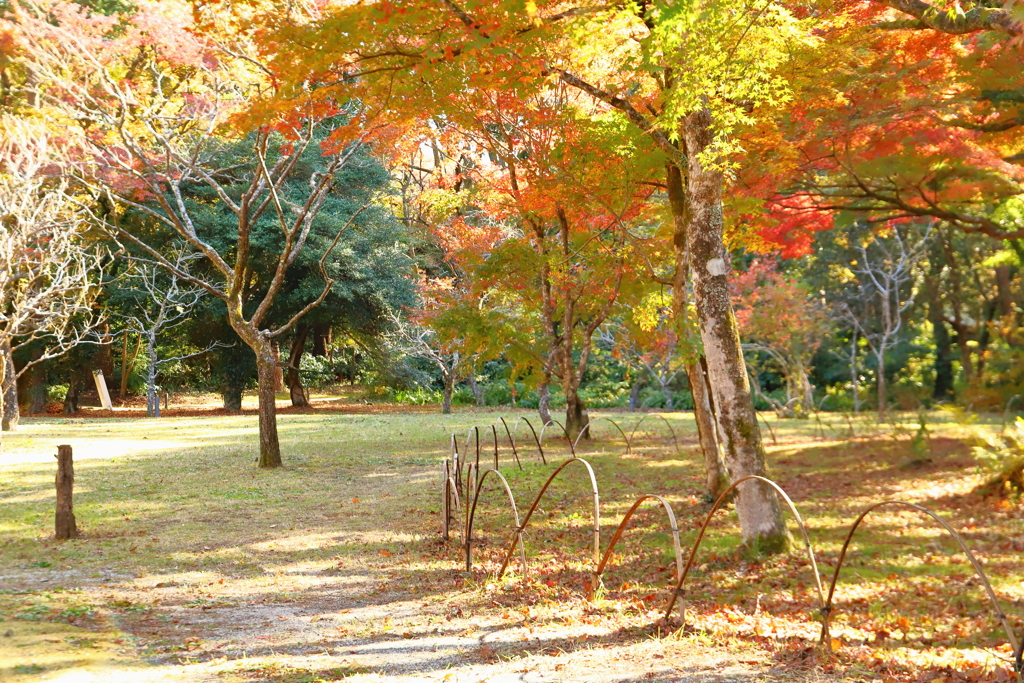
(196, 566)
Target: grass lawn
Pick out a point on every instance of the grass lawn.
(194, 565)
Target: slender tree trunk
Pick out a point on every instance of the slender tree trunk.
(278, 373)
(449, 389)
(854, 373)
(266, 374)
(880, 357)
(478, 392)
(1005, 295)
(544, 401)
(152, 400)
(714, 466)
(123, 389)
(293, 378)
(666, 390)
(943, 389)
(11, 410)
(39, 397)
(127, 363)
(758, 507)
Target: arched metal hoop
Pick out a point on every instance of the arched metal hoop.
(536, 439)
(516, 529)
(827, 608)
(675, 442)
(536, 501)
(677, 591)
(625, 521)
(450, 501)
(586, 430)
(572, 446)
(512, 442)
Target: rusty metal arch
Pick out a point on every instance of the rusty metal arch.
(625, 521)
(1010, 635)
(456, 459)
(449, 489)
(517, 529)
(512, 442)
(536, 439)
(677, 591)
(547, 424)
(536, 501)
(494, 435)
(675, 442)
(606, 419)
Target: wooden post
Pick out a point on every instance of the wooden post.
(64, 526)
(101, 389)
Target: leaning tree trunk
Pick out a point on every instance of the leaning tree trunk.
(544, 401)
(11, 411)
(714, 465)
(758, 507)
(703, 405)
(478, 392)
(293, 378)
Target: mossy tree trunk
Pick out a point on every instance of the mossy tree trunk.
(758, 507)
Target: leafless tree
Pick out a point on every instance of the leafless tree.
(889, 268)
(148, 140)
(49, 272)
(421, 342)
(163, 302)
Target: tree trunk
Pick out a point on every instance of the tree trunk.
(758, 507)
(714, 466)
(576, 418)
(634, 393)
(39, 397)
(278, 373)
(1004, 293)
(943, 389)
(703, 401)
(71, 399)
(232, 397)
(449, 389)
(321, 339)
(64, 519)
(880, 357)
(294, 380)
(544, 401)
(127, 363)
(266, 373)
(11, 410)
(152, 400)
(478, 392)
(666, 390)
